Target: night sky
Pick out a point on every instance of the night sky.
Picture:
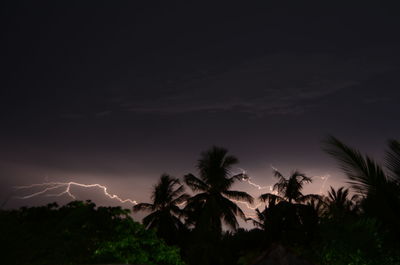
(119, 92)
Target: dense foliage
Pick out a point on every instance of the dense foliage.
(79, 233)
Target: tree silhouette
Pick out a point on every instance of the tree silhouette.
(380, 191)
(285, 216)
(338, 198)
(165, 211)
(207, 208)
(319, 205)
(338, 204)
(288, 189)
(365, 175)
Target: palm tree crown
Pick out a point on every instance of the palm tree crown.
(338, 204)
(207, 208)
(338, 198)
(165, 211)
(288, 188)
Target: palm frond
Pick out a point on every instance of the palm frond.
(228, 161)
(229, 212)
(393, 159)
(332, 194)
(182, 198)
(363, 172)
(281, 185)
(176, 193)
(260, 223)
(177, 211)
(339, 196)
(255, 222)
(225, 183)
(238, 195)
(278, 174)
(271, 198)
(310, 197)
(143, 207)
(151, 220)
(303, 178)
(196, 200)
(195, 183)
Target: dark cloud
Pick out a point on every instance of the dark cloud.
(274, 84)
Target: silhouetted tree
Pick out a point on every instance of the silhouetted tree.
(207, 210)
(338, 198)
(165, 211)
(289, 189)
(338, 203)
(213, 203)
(380, 191)
(319, 205)
(285, 216)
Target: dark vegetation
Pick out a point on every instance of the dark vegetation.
(79, 233)
(355, 225)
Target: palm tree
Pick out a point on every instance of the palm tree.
(338, 197)
(284, 215)
(213, 205)
(165, 212)
(289, 189)
(319, 206)
(338, 203)
(380, 190)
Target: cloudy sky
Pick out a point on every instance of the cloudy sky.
(119, 93)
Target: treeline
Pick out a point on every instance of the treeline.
(203, 228)
(79, 233)
(334, 229)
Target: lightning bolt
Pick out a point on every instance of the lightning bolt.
(248, 206)
(274, 168)
(48, 187)
(325, 179)
(246, 178)
(51, 186)
(243, 176)
(258, 186)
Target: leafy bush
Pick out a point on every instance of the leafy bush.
(356, 242)
(133, 244)
(79, 233)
